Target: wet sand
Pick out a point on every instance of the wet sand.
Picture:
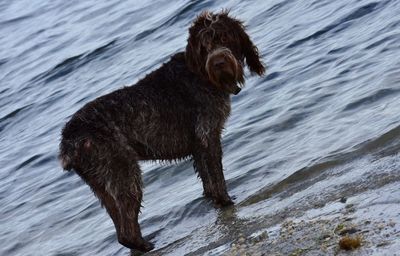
(373, 228)
(369, 220)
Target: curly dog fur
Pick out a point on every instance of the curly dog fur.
(176, 111)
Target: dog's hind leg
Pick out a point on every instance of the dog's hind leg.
(106, 200)
(116, 181)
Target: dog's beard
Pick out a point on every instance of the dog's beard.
(229, 82)
(226, 78)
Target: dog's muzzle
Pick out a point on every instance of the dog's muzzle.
(222, 69)
(218, 59)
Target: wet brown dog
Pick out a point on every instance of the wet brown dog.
(177, 111)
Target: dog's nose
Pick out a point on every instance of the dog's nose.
(219, 63)
(236, 90)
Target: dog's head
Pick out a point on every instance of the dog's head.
(217, 49)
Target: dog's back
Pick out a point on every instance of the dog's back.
(158, 117)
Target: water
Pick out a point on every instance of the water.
(323, 123)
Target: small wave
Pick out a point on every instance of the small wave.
(184, 13)
(188, 11)
(43, 160)
(382, 41)
(384, 145)
(28, 161)
(17, 19)
(144, 34)
(4, 90)
(271, 12)
(5, 120)
(271, 82)
(360, 12)
(3, 61)
(73, 63)
(196, 208)
(339, 25)
(271, 76)
(289, 123)
(339, 50)
(297, 181)
(377, 96)
(164, 170)
(12, 114)
(96, 12)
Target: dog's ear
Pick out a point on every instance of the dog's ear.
(250, 52)
(194, 52)
(191, 55)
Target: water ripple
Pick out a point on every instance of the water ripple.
(340, 24)
(376, 97)
(322, 123)
(73, 63)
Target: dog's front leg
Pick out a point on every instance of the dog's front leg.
(207, 163)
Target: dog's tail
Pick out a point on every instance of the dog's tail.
(67, 154)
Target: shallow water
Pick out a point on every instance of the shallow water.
(322, 124)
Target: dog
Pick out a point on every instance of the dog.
(175, 112)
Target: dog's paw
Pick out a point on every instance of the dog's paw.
(223, 202)
(137, 244)
(146, 246)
